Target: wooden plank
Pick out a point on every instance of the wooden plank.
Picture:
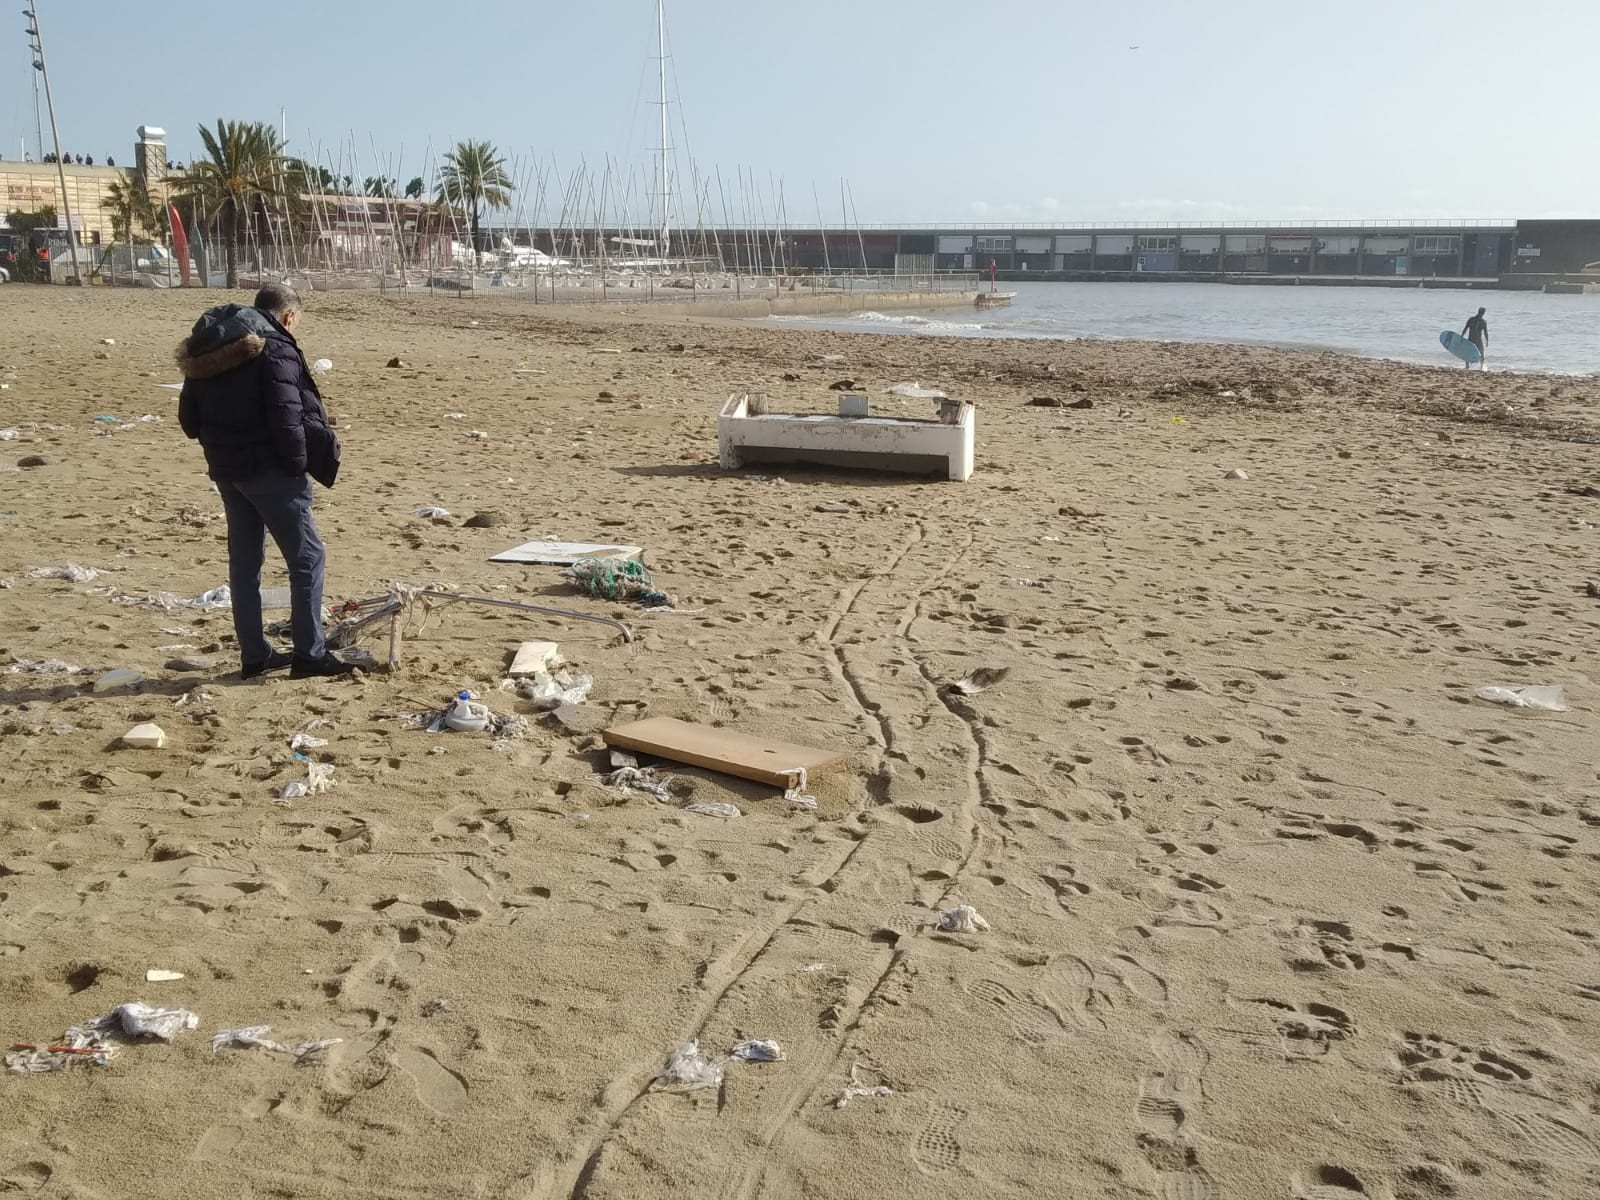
(761, 759)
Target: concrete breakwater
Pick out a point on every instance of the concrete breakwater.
(810, 303)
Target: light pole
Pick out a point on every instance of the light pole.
(32, 13)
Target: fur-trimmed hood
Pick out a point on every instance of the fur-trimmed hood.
(220, 361)
(225, 338)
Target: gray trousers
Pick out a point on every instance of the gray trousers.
(278, 504)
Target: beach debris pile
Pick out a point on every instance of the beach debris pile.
(92, 1044)
(687, 1070)
(617, 579)
(95, 1042)
(549, 691)
(319, 778)
(208, 601)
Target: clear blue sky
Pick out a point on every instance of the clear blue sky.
(934, 110)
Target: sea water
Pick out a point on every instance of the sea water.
(1528, 331)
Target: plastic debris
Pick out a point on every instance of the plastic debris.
(795, 793)
(549, 691)
(72, 571)
(533, 657)
(716, 809)
(44, 666)
(757, 1050)
(617, 579)
(145, 737)
(136, 1019)
(208, 601)
(914, 391)
(122, 677)
(1237, 473)
(432, 511)
(856, 1090)
(1550, 697)
(638, 779)
(465, 715)
(250, 1036)
(157, 975)
(304, 741)
(980, 680)
(322, 366)
(962, 919)
(319, 778)
(688, 1071)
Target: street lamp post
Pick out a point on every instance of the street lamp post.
(32, 13)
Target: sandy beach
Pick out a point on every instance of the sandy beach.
(1276, 906)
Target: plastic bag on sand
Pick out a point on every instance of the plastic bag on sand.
(757, 1050)
(915, 391)
(855, 1089)
(319, 778)
(715, 809)
(549, 691)
(69, 570)
(1551, 697)
(256, 1035)
(322, 366)
(639, 779)
(137, 1019)
(964, 919)
(688, 1071)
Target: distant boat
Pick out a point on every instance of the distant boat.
(995, 299)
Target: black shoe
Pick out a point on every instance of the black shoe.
(326, 667)
(277, 660)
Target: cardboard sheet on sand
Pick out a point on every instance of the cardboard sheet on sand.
(564, 554)
(761, 759)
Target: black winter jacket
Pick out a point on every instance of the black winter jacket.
(249, 399)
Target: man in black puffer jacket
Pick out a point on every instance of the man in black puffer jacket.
(250, 401)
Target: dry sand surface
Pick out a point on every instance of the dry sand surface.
(1276, 907)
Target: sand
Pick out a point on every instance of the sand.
(1276, 907)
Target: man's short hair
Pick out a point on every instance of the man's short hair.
(277, 299)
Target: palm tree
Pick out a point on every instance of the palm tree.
(414, 189)
(474, 174)
(132, 210)
(379, 187)
(241, 174)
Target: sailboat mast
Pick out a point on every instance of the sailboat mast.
(666, 195)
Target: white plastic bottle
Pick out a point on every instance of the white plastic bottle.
(466, 715)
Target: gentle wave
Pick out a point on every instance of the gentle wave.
(878, 318)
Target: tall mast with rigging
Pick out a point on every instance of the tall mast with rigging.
(666, 180)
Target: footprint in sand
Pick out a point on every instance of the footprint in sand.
(1137, 979)
(1328, 1183)
(1030, 1022)
(1179, 1175)
(26, 1177)
(439, 1088)
(936, 1149)
(218, 1143)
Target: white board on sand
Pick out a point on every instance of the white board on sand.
(564, 554)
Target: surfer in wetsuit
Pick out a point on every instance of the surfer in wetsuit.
(1476, 331)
